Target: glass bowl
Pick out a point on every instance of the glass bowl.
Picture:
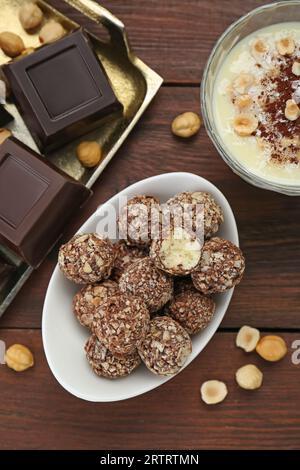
(263, 16)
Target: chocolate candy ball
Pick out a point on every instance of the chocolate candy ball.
(192, 310)
(144, 280)
(166, 346)
(105, 364)
(86, 259)
(178, 254)
(136, 218)
(221, 267)
(89, 298)
(121, 323)
(212, 212)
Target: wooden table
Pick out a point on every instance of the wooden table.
(175, 38)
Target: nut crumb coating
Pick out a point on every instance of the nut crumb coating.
(87, 259)
(144, 280)
(89, 298)
(121, 323)
(137, 218)
(212, 212)
(125, 256)
(105, 364)
(166, 346)
(192, 310)
(221, 267)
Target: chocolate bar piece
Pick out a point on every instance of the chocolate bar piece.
(36, 201)
(62, 91)
(5, 117)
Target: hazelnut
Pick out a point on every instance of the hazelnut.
(213, 392)
(4, 134)
(186, 124)
(258, 49)
(249, 377)
(285, 46)
(271, 348)
(89, 153)
(296, 68)
(243, 82)
(19, 357)
(245, 124)
(11, 44)
(247, 338)
(51, 32)
(292, 111)
(243, 101)
(30, 16)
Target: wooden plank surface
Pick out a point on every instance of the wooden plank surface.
(268, 223)
(36, 413)
(175, 38)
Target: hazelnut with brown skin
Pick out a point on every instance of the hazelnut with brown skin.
(11, 44)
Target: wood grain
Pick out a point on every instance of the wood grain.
(36, 413)
(268, 223)
(173, 36)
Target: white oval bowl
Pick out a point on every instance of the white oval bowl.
(64, 337)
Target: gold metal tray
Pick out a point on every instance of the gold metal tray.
(134, 83)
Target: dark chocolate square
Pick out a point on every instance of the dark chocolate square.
(36, 201)
(62, 91)
(70, 94)
(15, 173)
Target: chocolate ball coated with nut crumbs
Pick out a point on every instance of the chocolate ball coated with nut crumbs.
(221, 267)
(166, 346)
(192, 310)
(211, 216)
(137, 218)
(89, 298)
(125, 256)
(178, 254)
(121, 323)
(105, 364)
(144, 280)
(86, 258)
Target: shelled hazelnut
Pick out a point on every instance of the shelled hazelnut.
(30, 16)
(89, 153)
(247, 338)
(51, 32)
(186, 124)
(249, 377)
(213, 392)
(272, 348)
(19, 358)
(285, 46)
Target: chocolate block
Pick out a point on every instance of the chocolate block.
(5, 117)
(62, 91)
(36, 201)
